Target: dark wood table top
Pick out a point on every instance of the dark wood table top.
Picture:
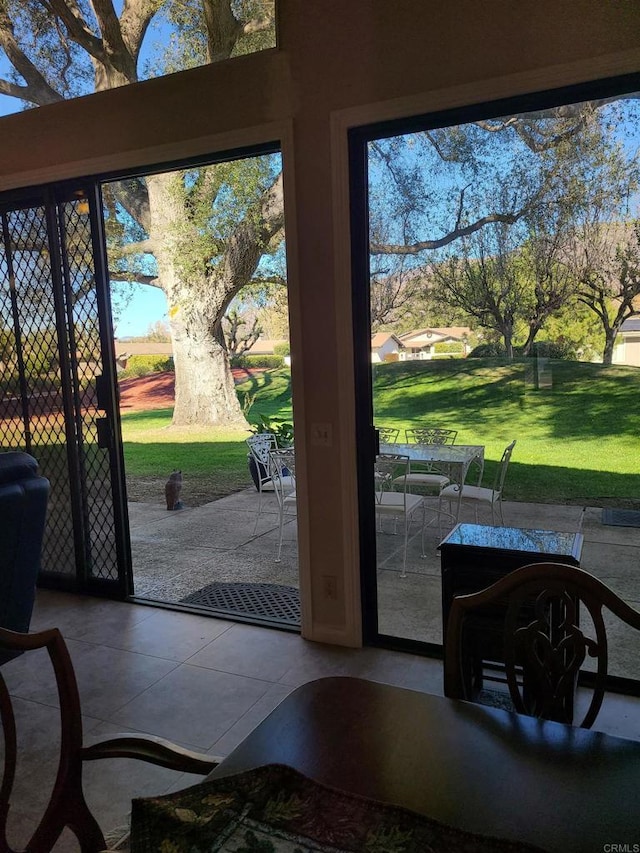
(477, 768)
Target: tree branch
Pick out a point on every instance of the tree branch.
(223, 29)
(71, 16)
(132, 276)
(132, 194)
(37, 91)
(454, 234)
(134, 21)
(139, 248)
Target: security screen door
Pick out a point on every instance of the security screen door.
(59, 399)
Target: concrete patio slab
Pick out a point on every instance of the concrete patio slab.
(177, 553)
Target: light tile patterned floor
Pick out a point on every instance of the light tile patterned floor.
(203, 682)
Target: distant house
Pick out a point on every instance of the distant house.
(627, 348)
(383, 344)
(421, 343)
(125, 349)
(265, 346)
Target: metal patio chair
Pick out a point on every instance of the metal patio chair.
(282, 470)
(259, 447)
(426, 475)
(394, 499)
(478, 495)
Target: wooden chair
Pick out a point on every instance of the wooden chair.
(538, 609)
(67, 806)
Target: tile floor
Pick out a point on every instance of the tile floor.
(201, 681)
(176, 553)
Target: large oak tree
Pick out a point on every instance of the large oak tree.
(197, 234)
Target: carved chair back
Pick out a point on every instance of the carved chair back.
(552, 621)
(67, 806)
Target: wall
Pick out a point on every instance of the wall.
(339, 64)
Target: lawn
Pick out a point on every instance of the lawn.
(577, 428)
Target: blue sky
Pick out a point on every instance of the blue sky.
(147, 306)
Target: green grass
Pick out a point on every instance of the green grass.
(213, 461)
(578, 438)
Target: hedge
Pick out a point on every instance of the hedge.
(449, 346)
(257, 361)
(143, 365)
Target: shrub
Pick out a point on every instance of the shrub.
(143, 365)
(390, 357)
(282, 349)
(553, 349)
(282, 430)
(448, 347)
(495, 350)
(257, 361)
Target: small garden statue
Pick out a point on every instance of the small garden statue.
(172, 490)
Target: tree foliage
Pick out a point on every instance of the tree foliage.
(198, 234)
(489, 216)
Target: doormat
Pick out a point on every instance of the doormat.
(266, 601)
(621, 517)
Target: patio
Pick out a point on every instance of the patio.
(178, 553)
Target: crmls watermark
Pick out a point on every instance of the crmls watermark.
(621, 848)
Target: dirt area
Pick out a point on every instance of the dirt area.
(156, 391)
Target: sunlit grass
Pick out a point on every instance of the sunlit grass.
(577, 428)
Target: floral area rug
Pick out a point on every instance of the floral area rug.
(275, 809)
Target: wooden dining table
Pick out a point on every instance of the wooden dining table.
(480, 769)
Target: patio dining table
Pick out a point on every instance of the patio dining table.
(452, 460)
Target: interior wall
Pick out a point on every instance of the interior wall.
(338, 63)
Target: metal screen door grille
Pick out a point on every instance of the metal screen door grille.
(52, 356)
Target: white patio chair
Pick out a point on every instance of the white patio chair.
(282, 470)
(477, 495)
(426, 475)
(430, 435)
(388, 435)
(259, 447)
(392, 497)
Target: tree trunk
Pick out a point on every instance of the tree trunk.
(204, 387)
(534, 328)
(205, 390)
(507, 334)
(609, 341)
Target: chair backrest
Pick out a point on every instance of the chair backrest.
(67, 807)
(261, 444)
(388, 435)
(539, 612)
(390, 475)
(501, 471)
(282, 470)
(430, 435)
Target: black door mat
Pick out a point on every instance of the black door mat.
(621, 517)
(265, 601)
